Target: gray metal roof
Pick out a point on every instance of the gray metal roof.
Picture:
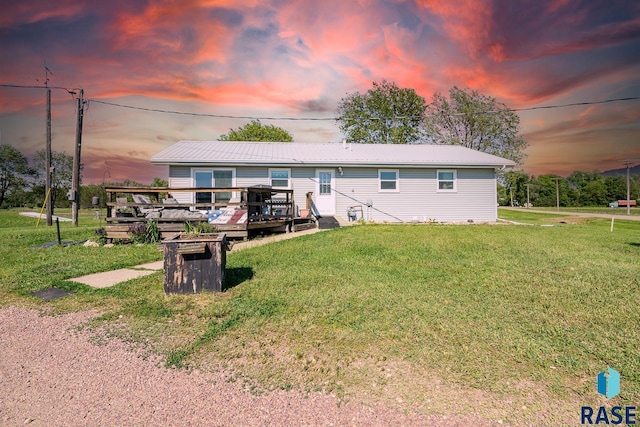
(234, 153)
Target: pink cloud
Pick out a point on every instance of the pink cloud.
(464, 21)
(17, 13)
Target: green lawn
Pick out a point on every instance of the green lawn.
(359, 309)
(634, 211)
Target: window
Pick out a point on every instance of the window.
(213, 178)
(203, 179)
(324, 183)
(447, 181)
(388, 179)
(279, 178)
(222, 178)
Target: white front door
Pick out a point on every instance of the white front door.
(325, 194)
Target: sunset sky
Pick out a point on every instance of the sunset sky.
(297, 59)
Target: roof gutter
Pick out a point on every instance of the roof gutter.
(334, 164)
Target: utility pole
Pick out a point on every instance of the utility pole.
(557, 193)
(628, 163)
(75, 180)
(528, 203)
(48, 166)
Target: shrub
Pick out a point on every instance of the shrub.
(144, 233)
(137, 232)
(102, 236)
(152, 234)
(193, 227)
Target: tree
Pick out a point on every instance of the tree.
(14, 169)
(546, 191)
(256, 131)
(61, 178)
(589, 187)
(616, 187)
(88, 192)
(475, 121)
(386, 114)
(516, 188)
(159, 182)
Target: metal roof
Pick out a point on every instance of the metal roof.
(235, 153)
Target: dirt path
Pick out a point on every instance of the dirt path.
(53, 374)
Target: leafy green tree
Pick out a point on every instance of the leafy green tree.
(616, 187)
(256, 131)
(14, 171)
(516, 186)
(475, 121)
(589, 188)
(61, 178)
(21, 197)
(159, 182)
(546, 191)
(88, 192)
(385, 114)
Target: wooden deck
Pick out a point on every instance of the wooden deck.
(257, 210)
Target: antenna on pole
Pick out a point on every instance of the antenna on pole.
(47, 72)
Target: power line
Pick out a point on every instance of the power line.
(71, 91)
(227, 116)
(577, 104)
(220, 116)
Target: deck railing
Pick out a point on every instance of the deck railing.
(264, 207)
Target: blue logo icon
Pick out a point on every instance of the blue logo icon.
(609, 383)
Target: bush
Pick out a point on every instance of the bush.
(102, 236)
(137, 232)
(144, 233)
(152, 234)
(199, 227)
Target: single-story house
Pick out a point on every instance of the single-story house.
(381, 182)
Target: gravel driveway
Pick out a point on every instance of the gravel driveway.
(52, 375)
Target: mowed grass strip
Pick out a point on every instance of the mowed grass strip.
(485, 306)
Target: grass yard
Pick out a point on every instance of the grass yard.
(524, 314)
(634, 211)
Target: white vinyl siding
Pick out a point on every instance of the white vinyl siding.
(418, 198)
(180, 177)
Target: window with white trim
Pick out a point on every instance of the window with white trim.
(213, 178)
(447, 180)
(280, 178)
(388, 180)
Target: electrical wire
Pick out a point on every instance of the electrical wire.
(220, 116)
(71, 91)
(227, 116)
(633, 98)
